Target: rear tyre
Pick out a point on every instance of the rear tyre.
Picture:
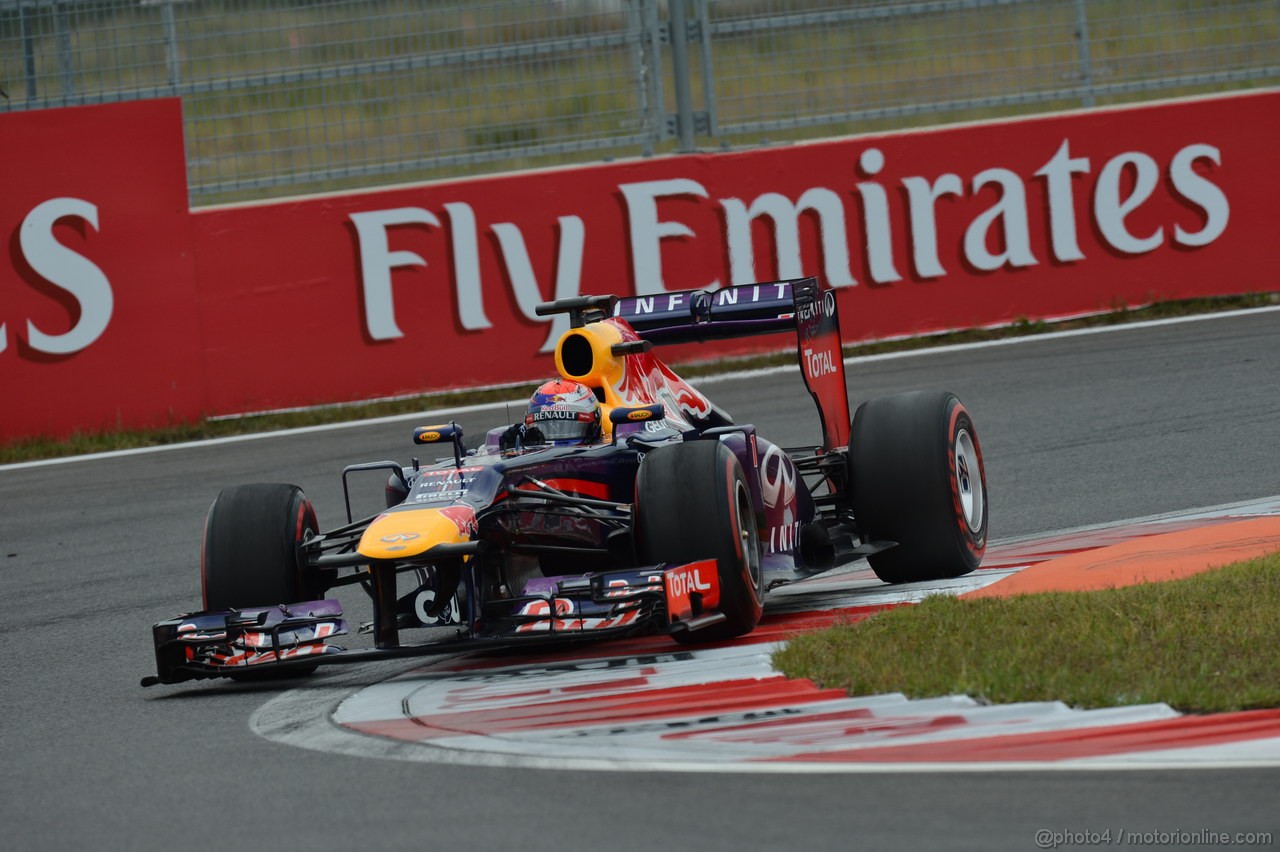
(917, 478)
(250, 559)
(692, 502)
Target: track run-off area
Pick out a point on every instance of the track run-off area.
(646, 705)
(1174, 424)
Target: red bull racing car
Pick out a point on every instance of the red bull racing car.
(670, 517)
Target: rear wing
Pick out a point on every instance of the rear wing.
(691, 316)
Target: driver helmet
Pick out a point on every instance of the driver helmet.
(564, 412)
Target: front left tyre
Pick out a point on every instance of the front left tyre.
(251, 557)
(251, 540)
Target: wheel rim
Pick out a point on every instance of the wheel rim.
(748, 536)
(969, 486)
(968, 475)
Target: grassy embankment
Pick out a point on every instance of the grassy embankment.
(1201, 644)
(913, 70)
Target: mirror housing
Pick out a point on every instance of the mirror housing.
(622, 415)
(448, 432)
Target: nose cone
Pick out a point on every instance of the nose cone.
(409, 531)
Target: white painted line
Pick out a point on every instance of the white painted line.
(988, 344)
(426, 416)
(1240, 509)
(703, 380)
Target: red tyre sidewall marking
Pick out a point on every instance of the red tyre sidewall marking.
(204, 558)
(305, 513)
(976, 547)
(756, 594)
(733, 509)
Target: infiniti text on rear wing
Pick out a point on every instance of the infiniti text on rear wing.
(801, 304)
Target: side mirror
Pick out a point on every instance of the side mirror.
(448, 432)
(436, 434)
(637, 414)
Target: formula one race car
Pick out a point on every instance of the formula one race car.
(674, 519)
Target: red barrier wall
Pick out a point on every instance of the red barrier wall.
(99, 325)
(432, 286)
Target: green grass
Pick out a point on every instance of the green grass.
(1202, 644)
(94, 442)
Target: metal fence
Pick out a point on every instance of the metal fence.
(284, 96)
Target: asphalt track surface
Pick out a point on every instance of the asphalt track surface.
(1075, 431)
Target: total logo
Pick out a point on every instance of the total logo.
(819, 364)
(68, 271)
(684, 582)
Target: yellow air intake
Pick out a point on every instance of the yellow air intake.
(583, 355)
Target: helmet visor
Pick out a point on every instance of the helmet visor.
(564, 425)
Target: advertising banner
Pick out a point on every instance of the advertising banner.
(99, 322)
(121, 307)
(434, 286)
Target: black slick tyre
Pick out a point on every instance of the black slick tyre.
(692, 502)
(251, 539)
(250, 557)
(917, 478)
